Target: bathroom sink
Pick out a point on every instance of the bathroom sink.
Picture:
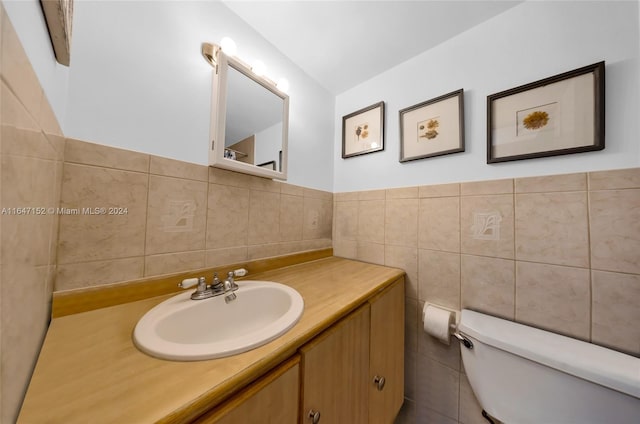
(182, 329)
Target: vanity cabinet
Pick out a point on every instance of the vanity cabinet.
(335, 370)
(271, 400)
(354, 372)
(386, 355)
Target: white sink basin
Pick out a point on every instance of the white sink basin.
(182, 329)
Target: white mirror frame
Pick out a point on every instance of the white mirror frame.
(219, 112)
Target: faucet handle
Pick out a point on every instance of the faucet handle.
(189, 282)
(240, 272)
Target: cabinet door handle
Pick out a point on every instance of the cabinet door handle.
(379, 381)
(315, 416)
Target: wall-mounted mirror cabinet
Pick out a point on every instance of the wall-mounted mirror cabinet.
(249, 121)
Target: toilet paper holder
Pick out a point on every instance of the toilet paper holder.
(439, 328)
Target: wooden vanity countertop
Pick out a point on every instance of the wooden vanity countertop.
(89, 370)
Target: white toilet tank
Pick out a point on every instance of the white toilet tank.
(521, 375)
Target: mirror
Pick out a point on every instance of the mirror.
(250, 119)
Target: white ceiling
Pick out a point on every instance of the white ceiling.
(343, 43)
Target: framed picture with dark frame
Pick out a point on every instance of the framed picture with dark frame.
(363, 131)
(558, 115)
(433, 128)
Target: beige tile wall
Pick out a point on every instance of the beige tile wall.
(31, 148)
(173, 216)
(566, 257)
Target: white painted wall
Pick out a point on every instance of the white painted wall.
(138, 81)
(28, 20)
(528, 42)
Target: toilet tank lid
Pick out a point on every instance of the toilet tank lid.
(600, 365)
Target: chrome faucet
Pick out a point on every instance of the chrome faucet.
(217, 287)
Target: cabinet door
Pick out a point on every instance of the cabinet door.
(387, 354)
(335, 369)
(274, 399)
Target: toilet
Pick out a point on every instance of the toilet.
(521, 375)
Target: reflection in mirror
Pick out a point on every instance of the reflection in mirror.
(253, 125)
(251, 115)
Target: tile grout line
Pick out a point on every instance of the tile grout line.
(460, 293)
(460, 249)
(146, 222)
(588, 194)
(384, 229)
(515, 261)
(57, 218)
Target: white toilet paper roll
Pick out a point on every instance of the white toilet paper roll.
(437, 322)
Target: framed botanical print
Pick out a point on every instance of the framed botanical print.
(432, 128)
(363, 131)
(555, 116)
